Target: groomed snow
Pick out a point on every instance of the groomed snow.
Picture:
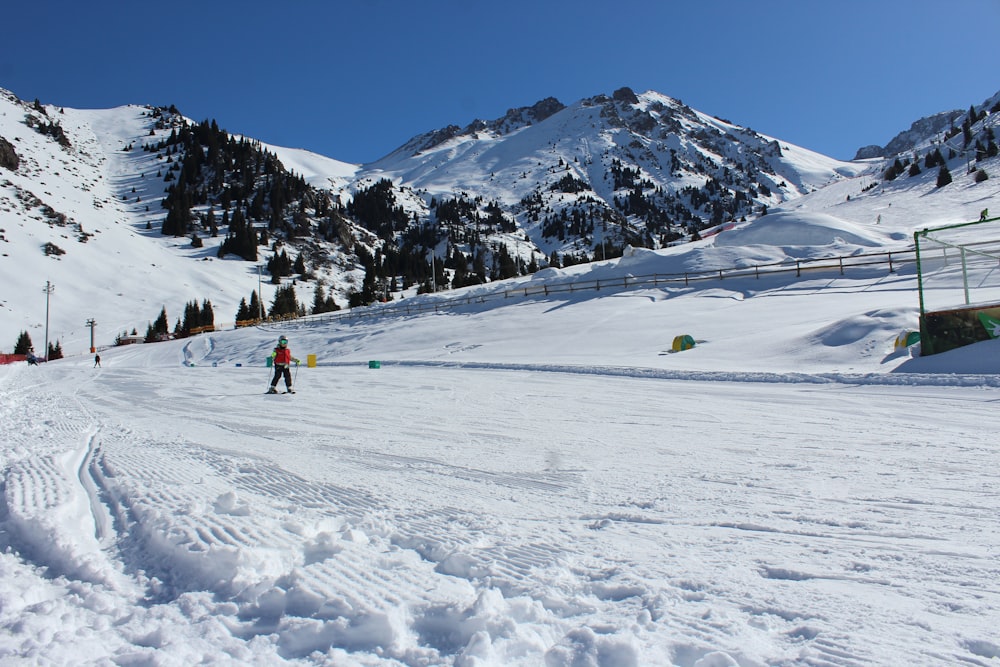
(530, 480)
(536, 482)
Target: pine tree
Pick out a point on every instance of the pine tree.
(23, 345)
(213, 226)
(158, 329)
(254, 309)
(322, 303)
(243, 312)
(319, 299)
(192, 317)
(207, 316)
(285, 302)
(241, 240)
(179, 203)
(894, 170)
(944, 176)
(55, 351)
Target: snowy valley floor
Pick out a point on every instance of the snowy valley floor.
(429, 515)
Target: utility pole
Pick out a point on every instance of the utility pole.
(92, 323)
(48, 289)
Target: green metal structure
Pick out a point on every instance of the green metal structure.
(958, 279)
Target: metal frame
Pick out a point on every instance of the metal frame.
(964, 250)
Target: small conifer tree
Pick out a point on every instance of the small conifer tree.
(285, 302)
(944, 176)
(23, 344)
(242, 313)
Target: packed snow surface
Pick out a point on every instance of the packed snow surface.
(541, 481)
(531, 474)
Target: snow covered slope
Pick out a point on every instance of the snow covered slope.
(526, 480)
(97, 204)
(94, 205)
(537, 482)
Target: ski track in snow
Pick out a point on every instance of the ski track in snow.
(641, 527)
(461, 508)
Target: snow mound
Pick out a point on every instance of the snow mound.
(786, 228)
(633, 258)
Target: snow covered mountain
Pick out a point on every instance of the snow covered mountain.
(927, 131)
(524, 480)
(86, 196)
(642, 170)
(81, 207)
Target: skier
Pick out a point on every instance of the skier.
(97, 361)
(282, 357)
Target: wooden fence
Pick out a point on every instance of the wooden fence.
(889, 261)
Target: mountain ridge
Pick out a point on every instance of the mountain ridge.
(546, 185)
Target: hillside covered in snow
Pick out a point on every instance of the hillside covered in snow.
(134, 211)
(521, 480)
(520, 471)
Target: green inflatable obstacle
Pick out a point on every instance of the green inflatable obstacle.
(684, 342)
(906, 339)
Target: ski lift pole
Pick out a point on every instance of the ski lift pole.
(48, 289)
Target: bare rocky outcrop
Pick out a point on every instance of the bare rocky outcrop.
(8, 156)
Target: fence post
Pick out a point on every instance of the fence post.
(890, 263)
(842, 265)
(965, 276)
(798, 268)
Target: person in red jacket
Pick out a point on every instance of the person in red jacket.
(282, 358)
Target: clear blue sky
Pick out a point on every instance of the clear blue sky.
(354, 80)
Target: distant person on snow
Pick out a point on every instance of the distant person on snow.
(282, 358)
(97, 361)
(31, 358)
(984, 214)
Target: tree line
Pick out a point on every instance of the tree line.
(25, 346)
